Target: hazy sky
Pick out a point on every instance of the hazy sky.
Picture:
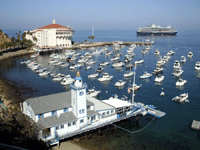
(102, 14)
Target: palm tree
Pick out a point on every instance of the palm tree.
(30, 44)
(91, 37)
(13, 40)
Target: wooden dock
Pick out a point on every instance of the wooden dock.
(195, 125)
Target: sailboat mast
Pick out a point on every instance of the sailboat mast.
(92, 31)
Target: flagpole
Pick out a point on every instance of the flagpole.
(133, 84)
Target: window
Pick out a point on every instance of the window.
(57, 128)
(54, 112)
(83, 110)
(73, 101)
(108, 112)
(65, 109)
(88, 107)
(103, 113)
(81, 121)
(27, 103)
(62, 126)
(112, 111)
(79, 111)
(74, 123)
(40, 115)
(69, 124)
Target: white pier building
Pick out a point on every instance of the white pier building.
(70, 113)
(52, 35)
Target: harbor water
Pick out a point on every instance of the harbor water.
(169, 132)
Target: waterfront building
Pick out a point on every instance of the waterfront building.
(67, 112)
(52, 35)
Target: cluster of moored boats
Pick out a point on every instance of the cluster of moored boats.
(74, 60)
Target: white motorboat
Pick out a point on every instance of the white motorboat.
(96, 52)
(90, 62)
(57, 63)
(183, 59)
(35, 55)
(178, 72)
(57, 78)
(73, 66)
(157, 52)
(108, 53)
(115, 58)
(105, 77)
(76, 54)
(146, 75)
(135, 86)
(45, 73)
(104, 63)
(129, 74)
(160, 63)
(87, 67)
(158, 71)
(170, 53)
(197, 66)
(181, 82)
(159, 78)
(162, 94)
(118, 64)
(26, 62)
(127, 59)
(144, 51)
(190, 54)
(93, 92)
(139, 61)
(130, 54)
(95, 75)
(67, 80)
(69, 52)
(166, 58)
(120, 83)
(129, 66)
(182, 98)
(100, 69)
(82, 60)
(176, 64)
(64, 64)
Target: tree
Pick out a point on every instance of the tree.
(13, 40)
(91, 37)
(22, 130)
(30, 44)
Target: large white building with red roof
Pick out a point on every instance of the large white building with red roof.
(52, 35)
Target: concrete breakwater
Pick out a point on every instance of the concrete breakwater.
(9, 55)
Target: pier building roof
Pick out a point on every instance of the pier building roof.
(52, 102)
(55, 120)
(99, 105)
(54, 25)
(117, 102)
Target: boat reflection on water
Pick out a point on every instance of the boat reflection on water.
(180, 87)
(159, 83)
(119, 69)
(105, 83)
(120, 87)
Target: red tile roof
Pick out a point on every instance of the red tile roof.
(53, 26)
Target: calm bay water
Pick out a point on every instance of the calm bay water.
(170, 132)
